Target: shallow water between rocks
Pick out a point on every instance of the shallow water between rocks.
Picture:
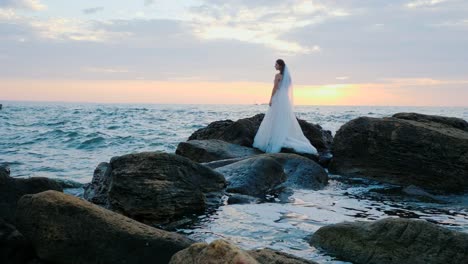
(68, 140)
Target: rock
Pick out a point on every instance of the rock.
(14, 247)
(97, 191)
(265, 174)
(155, 187)
(218, 252)
(211, 150)
(242, 132)
(393, 240)
(449, 121)
(235, 198)
(270, 256)
(425, 153)
(221, 163)
(65, 229)
(257, 176)
(301, 172)
(11, 189)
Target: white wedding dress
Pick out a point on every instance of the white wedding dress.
(280, 127)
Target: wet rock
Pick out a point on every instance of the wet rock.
(235, 198)
(65, 229)
(97, 191)
(14, 247)
(242, 132)
(265, 174)
(222, 163)
(156, 187)
(11, 189)
(270, 256)
(211, 150)
(301, 172)
(218, 252)
(257, 176)
(425, 151)
(393, 240)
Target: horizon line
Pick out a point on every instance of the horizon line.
(156, 103)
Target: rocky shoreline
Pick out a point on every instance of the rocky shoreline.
(135, 201)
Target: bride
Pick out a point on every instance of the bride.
(280, 127)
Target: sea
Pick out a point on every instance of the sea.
(68, 140)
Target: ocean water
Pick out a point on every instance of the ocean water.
(68, 140)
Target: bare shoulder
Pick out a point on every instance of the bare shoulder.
(278, 76)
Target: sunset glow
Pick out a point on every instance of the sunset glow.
(215, 52)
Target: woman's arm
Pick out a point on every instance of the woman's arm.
(275, 87)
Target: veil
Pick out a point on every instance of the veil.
(286, 84)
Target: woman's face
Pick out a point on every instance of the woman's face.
(277, 67)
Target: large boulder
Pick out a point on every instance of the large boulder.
(212, 150)
(14, 247)
(392, 240)
(155, 187)
(65, 229)
(218, 252)
(301, 172)
(256, 176)
(242, 132)
(267, 173)
(11, 189)
(223, 252)
(406, 149)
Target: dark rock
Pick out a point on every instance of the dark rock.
(211, 150)
(235, 198)
(218, 252)
(391, 240)
(242, 132)
(301, 172)
(65, 229)
(424, 153)
(266, 174)
(257, 176)
(156, 187)
(221, 163)
(14, 247)
(97, 191)
(270, 256)
(11, 189)
(433, 119)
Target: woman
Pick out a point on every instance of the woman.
(280, 127)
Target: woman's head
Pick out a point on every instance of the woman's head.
(280, 65)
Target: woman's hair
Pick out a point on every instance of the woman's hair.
(281, 64)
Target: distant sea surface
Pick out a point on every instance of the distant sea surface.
(68, 140)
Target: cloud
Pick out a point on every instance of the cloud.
(92, 10)
(105, 70)
(424, 3)
(22, 28)
(23, 4)
(149, 2)
(255, 22)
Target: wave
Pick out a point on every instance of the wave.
(92, 143)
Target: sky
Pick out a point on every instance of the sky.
(340, 52)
